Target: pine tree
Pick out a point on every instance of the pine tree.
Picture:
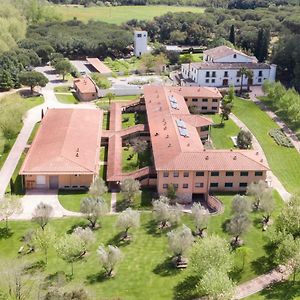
(6, 81)
(232, 35)
(258, 45)
(262, 45)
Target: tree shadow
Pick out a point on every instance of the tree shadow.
(225, 225)
(257, 223)
(262, 265)
(236, 274)
(57, 279)
(282, 291)
(5, 233)
(186, 289)
(122, 205)
(82, 224)
(166, 268)
(118, 241)
(152, 228)
(39, 265)
(97, 278)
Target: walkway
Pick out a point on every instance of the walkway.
(276, 184)
(113, 203)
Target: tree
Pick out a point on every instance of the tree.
(164, 213)
(200, 216)
(249, 79)
(256, 191)
(262, 44)
(147, 63)
(237, 226)
(45, 52)
(232, 35)
(44, 239)
(63, 67)
(216, 284)
(93, 208)
(161, 61)
(139, 146)
(211, 252)
(109, 258)
(127, 219)
(227, 104)
(70, 248)
(240, 205)
(98, 188)
(33, 79)
(267, 205)
(9, 205)
(110, 97)
(172, 193)
(6, 82)
(86, 235)
(130, 188)
(42, 214)
(244, 139)
(242, 73)
(180, 240)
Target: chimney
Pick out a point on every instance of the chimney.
(169, 145)
(234, 158)
(207, 157)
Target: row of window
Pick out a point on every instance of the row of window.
(201, 185)
(203, 100)
(238, 74)
(213, 174)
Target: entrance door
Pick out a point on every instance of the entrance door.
(225, 82)
(53, 182)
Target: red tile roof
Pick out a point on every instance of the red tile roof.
(67, 142)
(197, 92)
(99, 65)
(85, 85)
(223, 51)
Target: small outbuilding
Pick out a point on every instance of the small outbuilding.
(85, 89)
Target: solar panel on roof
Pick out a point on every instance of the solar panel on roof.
(183, 132)
(173, 102)
(174, 105)
(180, 123)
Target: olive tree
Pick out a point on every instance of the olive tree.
(244, 139)
(109, 258)
(93, 208)
(200, 216)
(237, 226)
(98, 188)
(180, 240)
(127, 219)
(267, 206)
(44, 240)
(42, 214)
(256, 191)
(240, 205)
(9, 205)
(130, 188)
(86, 235)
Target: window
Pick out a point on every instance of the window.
(206, 80)
(165, 186)
(229, 173)
(259, 80)
(207, 74)
(237, 80)
(215, 173)
(204, 128)
(195, 100)
(234, 55)
(213, 81)
(226, 74)
(205, 100)
(243, 184)
(238, 74)
(213, 74)
(185, 174)
(214, 184)
(214, 100)
(214, 108)
(175, 185)
(199, 185)
(259, 73)
(185, 185)
(176, 174)
(199, 173)
(228, 184)
(166, 174)
(258, 173)
(244, 173)
(139, 35)
(204, 107)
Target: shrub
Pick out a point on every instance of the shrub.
(280, 138)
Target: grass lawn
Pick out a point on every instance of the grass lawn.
(105, 122)
(122, 65)
(120, 98)
(221, 136)
(120, 14)
(33, 132)
(62, 89)
(145, 272)
(284, 162)
(67, 99)
(128, 120)
(129, 165)
(197, 57)
(103, 153)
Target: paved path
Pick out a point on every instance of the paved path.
(113, 203)
(257, 91)
(274, 181)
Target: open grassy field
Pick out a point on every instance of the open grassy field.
(284, 162)
(120, 14)
(146, 271)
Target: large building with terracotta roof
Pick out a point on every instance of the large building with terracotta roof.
(65, 151)
(180, 158)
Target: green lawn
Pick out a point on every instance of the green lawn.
(122, 65)
(284, 162)
(103, 153)
(221, 136)
(33, 132)
(67, 99)
(105, 122)
(121, 14)
(62, 89)
(129, 165)
(145, 272)
(120, 98)
(197, 57)
(128, 120)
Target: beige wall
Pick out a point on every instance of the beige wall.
(206, 180)
(200, 104)
(87, 96)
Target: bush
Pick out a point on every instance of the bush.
(101, 81)
(280, 138)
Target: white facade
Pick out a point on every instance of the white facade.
(140, 43)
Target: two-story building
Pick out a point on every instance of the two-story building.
(221, 67)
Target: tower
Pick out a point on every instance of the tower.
(140, 43)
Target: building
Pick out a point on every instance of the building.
(140, 43)
(221, 68)
(97, 65)
(85, 89)
(65, 152)
(180, 158)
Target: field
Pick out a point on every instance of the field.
(120, 14)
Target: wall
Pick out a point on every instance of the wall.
(201, 103)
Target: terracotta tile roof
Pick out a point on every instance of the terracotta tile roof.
(199, 92)
(228, 66)
(174, 151)
(99, 65)
(85, 85)
(67, 142)
(223, 51)
(196, 120)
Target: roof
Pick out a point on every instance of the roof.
(197, 92)
(85, 85)
(67, 142)
(222, 51)
(228, 66)
(175, 140)
(99, 65)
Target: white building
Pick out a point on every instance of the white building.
(220, 68)
(140, 43)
